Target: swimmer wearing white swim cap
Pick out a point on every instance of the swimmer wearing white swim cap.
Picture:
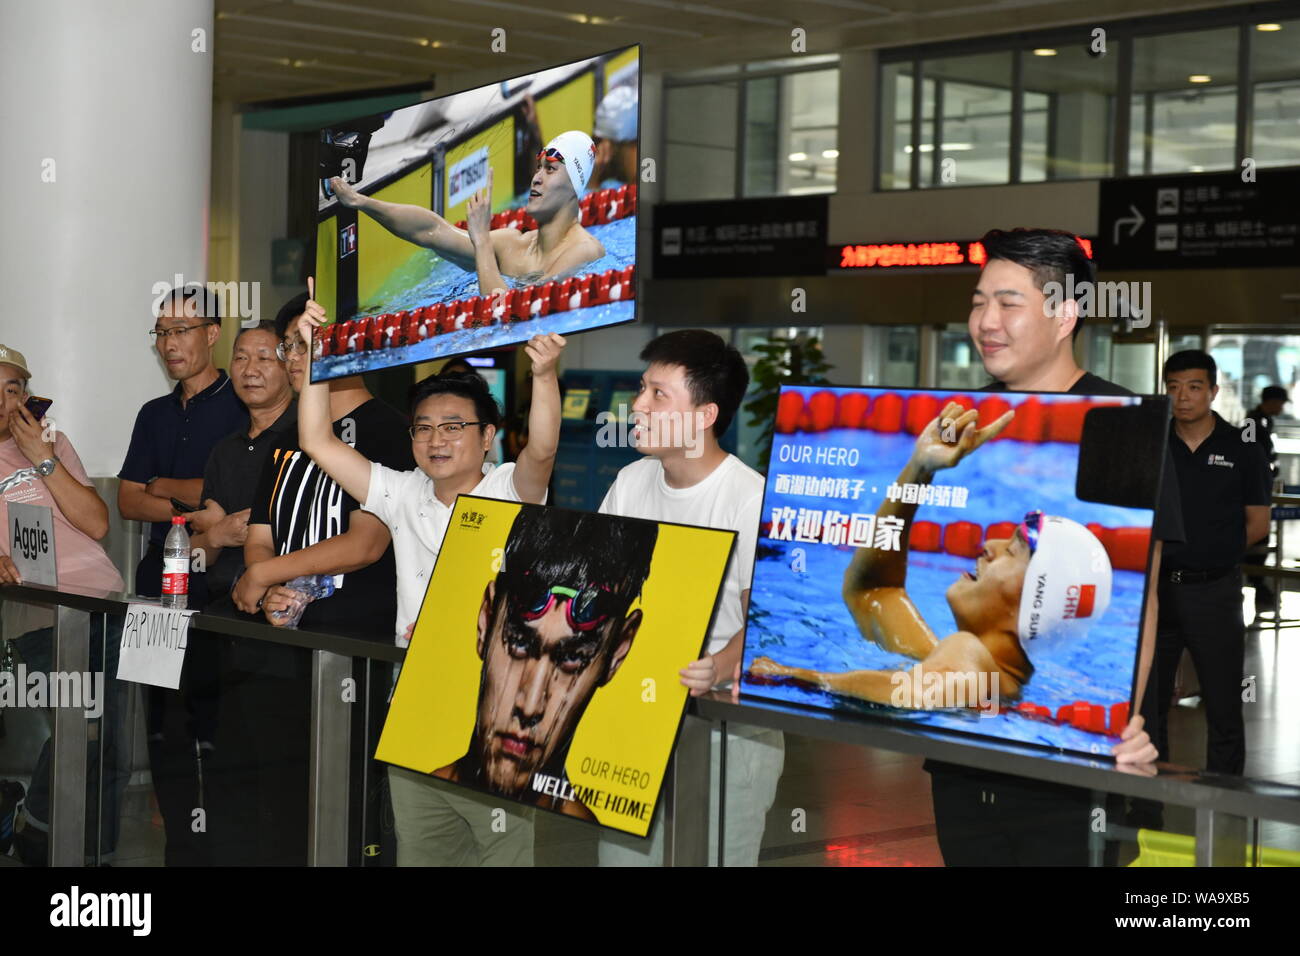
(616, 136)
(559, 246)
(1043, 586)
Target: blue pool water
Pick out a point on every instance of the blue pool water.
(427, 279)
(799, 619)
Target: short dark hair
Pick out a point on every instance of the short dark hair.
(470, 385)
(1189, 359)
(715, 372)
(1050, 254)
(197, 301)
(288, 312)
(1274, 392)
(575, 548)
(265, 325)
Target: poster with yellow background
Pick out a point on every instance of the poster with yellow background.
(544, 664)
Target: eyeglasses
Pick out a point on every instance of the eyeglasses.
(450, 430)
(585, 609)
(161, 335)
(297, 347)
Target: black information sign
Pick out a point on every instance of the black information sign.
(783, 236)
(1198, 221)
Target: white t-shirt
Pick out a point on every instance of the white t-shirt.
(404, 500)
(729, 498)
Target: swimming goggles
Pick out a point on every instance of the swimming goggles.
(584, 609)
(1029, 529)
(550, 154)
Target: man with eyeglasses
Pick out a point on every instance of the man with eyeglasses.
(558, 246)
(174, 434)
(454, 423)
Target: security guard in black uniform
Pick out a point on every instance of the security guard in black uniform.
(1226, 487)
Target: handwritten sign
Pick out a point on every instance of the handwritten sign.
(153, 645)
(31, 543)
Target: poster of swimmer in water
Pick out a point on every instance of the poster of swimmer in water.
(544, 664)
(924, 556)
(480, 219)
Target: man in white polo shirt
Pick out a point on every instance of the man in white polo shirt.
(454, 423)
(689, 394)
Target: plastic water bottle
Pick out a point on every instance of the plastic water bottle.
(176, 566)
(308, 587)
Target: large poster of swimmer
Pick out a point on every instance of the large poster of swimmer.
(544, 664)
(924, 556)
(480, 219)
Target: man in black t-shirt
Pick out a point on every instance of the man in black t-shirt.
(1272, 399)
(1026, 343)
(1227, 494)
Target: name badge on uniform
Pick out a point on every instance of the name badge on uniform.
(1221, 461)
(31, 543)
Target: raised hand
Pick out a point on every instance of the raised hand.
(478, 213)
(544, 350)
(952, 436)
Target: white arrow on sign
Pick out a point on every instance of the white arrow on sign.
(1136, 219)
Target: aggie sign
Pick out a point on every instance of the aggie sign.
(31, 543)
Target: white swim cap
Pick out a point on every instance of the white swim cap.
(617, 114)
(1067, 583)
(578, 154)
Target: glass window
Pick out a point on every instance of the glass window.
(791, 124)
(959, 364)
(1185, 100)
(896, 126)
(700, 141)
(971, 138)
(1275, 63)
(1069, 107)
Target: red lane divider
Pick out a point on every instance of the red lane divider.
(1080, 714)
(391, 330)
(1127, 547)
(1035, 421)
(594, 209)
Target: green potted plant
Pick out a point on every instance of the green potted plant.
(783, 361)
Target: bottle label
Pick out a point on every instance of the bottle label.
(176, 576)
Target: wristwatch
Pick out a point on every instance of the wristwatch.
(46, 468)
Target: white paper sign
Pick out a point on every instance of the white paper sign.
(153, 645)
(31, 543)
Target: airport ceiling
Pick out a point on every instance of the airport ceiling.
(284, 49)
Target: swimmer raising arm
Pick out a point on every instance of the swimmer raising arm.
(558, 246)
(874, 581)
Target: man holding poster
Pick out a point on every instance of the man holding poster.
(455, 421)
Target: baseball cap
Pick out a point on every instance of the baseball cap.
(14, 357)
(1067, 582)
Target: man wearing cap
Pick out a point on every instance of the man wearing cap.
(558, 246)
(1018, 597)
(1271, 402)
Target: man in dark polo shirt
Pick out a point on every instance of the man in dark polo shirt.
(170, 444)
(174, 434)
(1226, 493)
(990, 819)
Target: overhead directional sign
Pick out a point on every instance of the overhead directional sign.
(1198, 221)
